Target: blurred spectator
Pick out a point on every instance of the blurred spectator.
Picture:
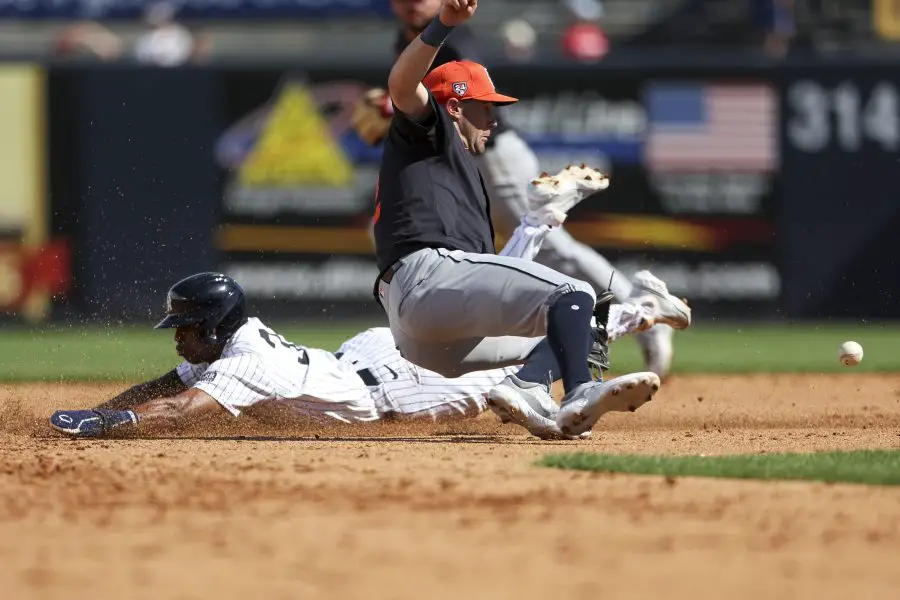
(519, 40)
(88, 37)
(165, 43)
(775, 20)
(584, 40)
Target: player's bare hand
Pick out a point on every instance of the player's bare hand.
(457, 12)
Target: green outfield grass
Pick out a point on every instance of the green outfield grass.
(132, 353)
(872, 467)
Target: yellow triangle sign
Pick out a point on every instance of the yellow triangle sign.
(296, 147)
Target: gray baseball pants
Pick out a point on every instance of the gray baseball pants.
(507, 168)
(454, 312)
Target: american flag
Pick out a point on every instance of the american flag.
(711, 127)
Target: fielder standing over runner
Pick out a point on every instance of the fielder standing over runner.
(507, 164)
(453, 306)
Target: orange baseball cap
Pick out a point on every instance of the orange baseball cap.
(465, 80)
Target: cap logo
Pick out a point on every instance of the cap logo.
(460, 88)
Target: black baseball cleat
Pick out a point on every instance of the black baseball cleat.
(598, 358)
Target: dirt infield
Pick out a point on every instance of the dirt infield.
(453, 510)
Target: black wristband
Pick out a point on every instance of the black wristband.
(115, 418)
(435, 34)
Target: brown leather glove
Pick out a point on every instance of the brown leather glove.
(372, 114)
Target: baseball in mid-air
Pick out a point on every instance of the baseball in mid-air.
(850, 354)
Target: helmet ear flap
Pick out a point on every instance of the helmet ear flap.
(208, 335)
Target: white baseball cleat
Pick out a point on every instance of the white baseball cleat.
(551, 197)
(582, 407)
(529, 405)
(650, 291)
(657, 349)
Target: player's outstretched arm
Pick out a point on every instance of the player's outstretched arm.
(184, 410)
(158, 415)
(169, 384)
(405, 81)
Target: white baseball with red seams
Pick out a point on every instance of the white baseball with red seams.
(850, 354)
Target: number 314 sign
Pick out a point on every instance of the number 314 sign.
(844, 116)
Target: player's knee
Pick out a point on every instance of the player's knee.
(587, 288)
(572, 286)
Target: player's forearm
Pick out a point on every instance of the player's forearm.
(161, 415)
(177, 412)
(404, 82)
(167, 385)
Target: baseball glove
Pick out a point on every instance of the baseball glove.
(372, 115)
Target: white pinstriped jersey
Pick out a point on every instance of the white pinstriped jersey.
(258, 367)
(370, 380)
(402, 389)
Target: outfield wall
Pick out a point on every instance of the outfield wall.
(754, 190)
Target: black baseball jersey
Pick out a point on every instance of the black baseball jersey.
(430, 193)
(461, 45)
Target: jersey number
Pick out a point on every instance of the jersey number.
(267, 335)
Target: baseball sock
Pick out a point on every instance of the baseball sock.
(541, 365)
(569, 334)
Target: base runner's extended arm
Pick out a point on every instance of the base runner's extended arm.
(187, 408)
(169, 384)
(159, 414)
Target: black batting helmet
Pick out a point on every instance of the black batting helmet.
(213, 301)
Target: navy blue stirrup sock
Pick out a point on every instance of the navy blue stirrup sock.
(569, 334)
(541, 365)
